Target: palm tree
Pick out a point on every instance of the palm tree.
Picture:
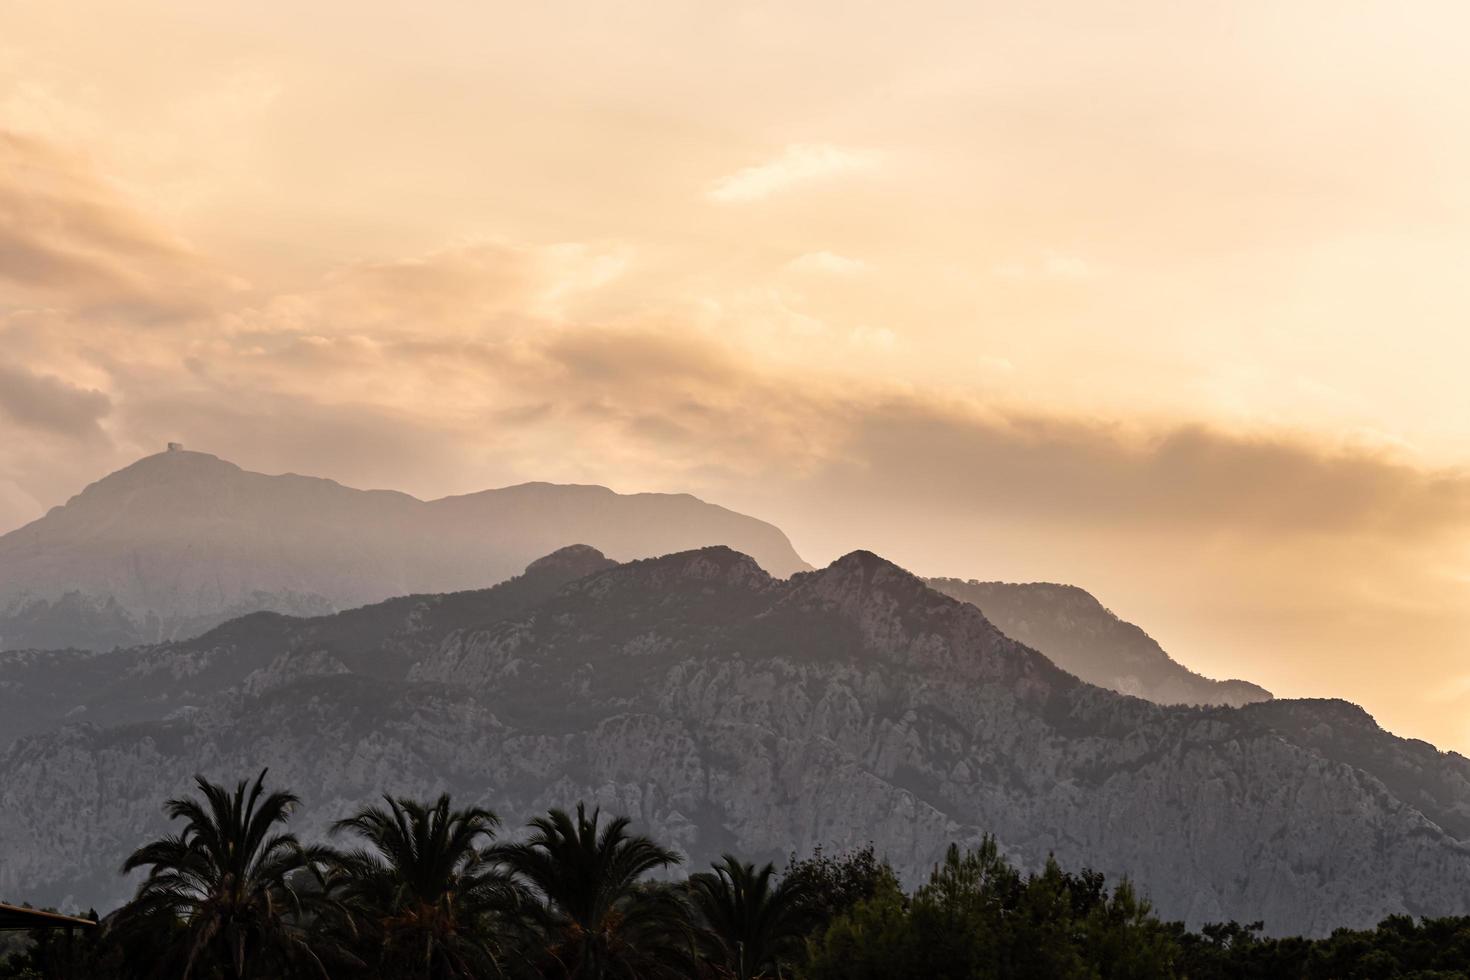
(600, 919)
(752, 926)
(425, 893)
(227, 878)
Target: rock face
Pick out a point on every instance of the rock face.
(1078, 634)
(182, 541)
(726, 709)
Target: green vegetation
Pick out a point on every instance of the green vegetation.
(425, 891)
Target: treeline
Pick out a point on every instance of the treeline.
(427, 891)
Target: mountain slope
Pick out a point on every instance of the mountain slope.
(182, 541)
(384, 640)
(726, 709)
(1078, 634)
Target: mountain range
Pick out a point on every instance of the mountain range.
(182, 541)
(728, 709)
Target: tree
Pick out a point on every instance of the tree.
(425, 895)
(959, 916)
(599, 917)
(837, 884)
(977, 918)
(872, 940)
(227, 877)
(1124, 939)
(753, 927)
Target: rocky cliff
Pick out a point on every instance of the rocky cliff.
(182, 541)
(727, 709)
(1080, 635)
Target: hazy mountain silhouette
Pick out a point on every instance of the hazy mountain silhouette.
(726, 709)
(1079, 634)
(182, 541)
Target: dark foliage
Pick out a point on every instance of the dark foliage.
(422, 898)
(229, 877)
(599, 918)
(836, 884)
(753, 924)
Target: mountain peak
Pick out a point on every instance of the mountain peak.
(861, 557)
(699, 569)
(169, 463)
(573, 561)
(714, 563)
(859, 572)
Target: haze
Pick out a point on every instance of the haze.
(1165, 300)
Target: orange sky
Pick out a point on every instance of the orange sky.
(1163, 299)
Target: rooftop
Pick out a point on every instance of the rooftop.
(17, 917)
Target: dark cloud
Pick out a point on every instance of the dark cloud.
(52, 405)
(691, 399)
(629, 358)
(1081, 472)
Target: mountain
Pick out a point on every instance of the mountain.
(725, 709)
(182, 541)
(382, 641)
(1080, 635)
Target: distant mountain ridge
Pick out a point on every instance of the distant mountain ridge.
(726, 709)
(1080, 635)
(181, 541)
(382, 641)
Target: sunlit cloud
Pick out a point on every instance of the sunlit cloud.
(880, 338)
(828, 263)
(1050, 265)
(68, 238)
(801, 163)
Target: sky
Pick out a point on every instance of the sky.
(1163, 299)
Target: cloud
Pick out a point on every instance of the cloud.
(463, 291)
(647, 394)
(879, 338)
(1190, 478)
(67, 236)
(52, 405)
(801, 163)
(827, 263)
(463, 342)
(511, 346)
(1050, 266)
